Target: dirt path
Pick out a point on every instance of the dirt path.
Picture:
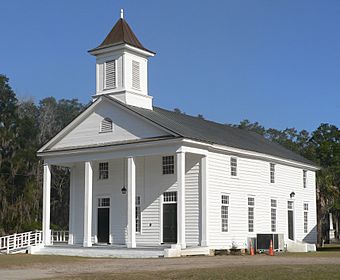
(39, 271)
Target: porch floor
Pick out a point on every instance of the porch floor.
(104, 251)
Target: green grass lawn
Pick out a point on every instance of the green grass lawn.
(24, 260)
(291, 272)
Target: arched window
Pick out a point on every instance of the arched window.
(106, 125)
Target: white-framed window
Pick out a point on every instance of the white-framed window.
(103, 170)
(106, 125)
(304, 178)
(224, 213)
(290, 205)
(273, 207)
(103, 202)
(251, 214)
(305, 217)
(168, 165)
(272, 172)
(233, 166)
(170, 197)
(110, 74)
(135, 74)
(138, 215)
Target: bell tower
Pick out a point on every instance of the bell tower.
(122, 66)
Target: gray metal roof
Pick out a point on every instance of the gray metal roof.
(195, 128)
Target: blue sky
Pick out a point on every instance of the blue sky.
(275, 62)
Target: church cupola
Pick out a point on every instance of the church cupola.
(122, 66)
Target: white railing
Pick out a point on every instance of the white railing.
(20, 241)
(59, 236)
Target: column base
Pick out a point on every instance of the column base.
(47, 237)
(204, 243)
(87, 244)
(183, 245)
(131, 245)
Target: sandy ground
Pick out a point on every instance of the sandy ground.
(39, 271)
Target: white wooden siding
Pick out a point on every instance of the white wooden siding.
(192, 205)
(150, 186)
(254, 179)
(126, 127)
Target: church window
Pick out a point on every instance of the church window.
(110, 74)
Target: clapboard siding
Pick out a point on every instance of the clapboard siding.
(192, 210)
(150, 185)
(254, 180)
(125, 127)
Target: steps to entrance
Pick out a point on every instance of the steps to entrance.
(99, 251)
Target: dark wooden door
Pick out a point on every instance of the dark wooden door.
(170, 223)
(103, 225)
(291, 224)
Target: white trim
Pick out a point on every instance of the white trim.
(87, 239)
(250, 154)
(72, 124)
(131, 193)
(87, 112)
(294, 224)
(95, 218)
(180, 174)
(161, 219)
(124, 47)
(204, 223)
(46, 204)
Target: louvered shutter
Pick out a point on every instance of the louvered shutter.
(135, 74)
(106, 125)
(110, 74)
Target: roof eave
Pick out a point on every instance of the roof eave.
(121, 45)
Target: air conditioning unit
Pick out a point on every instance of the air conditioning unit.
(263, 241)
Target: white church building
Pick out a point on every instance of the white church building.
(146, 176)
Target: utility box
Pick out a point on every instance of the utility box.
(263, 241)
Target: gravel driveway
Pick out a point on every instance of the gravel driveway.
(38, 271)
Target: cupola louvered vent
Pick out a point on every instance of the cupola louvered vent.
(110, 74)
(135, 74)
(106, 125)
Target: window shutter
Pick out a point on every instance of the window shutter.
(106, 125)
(110, 74)
(135, 74)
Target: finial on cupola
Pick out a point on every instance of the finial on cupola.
(121, 13)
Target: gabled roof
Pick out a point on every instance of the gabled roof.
(189, 127)
(121, 33)
(199, 129)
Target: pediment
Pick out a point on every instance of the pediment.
(86, 129)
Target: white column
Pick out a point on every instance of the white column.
(46, 205)
(71, 207)
(131, 192)
(204, 201)
(87, 242)
(180, 162)
(331, 228)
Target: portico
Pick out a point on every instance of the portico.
(138, 168)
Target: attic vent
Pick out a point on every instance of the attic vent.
(106, 125)
(135, 74)
(110, 74)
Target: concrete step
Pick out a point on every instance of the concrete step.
(196, 251)
(94, 252)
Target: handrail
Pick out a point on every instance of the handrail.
(59, 236)
(20, 240)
